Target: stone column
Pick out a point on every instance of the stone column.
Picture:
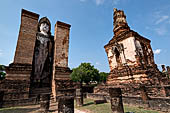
(116, 100)
(44, 103)
(66, 104)
(79, 97)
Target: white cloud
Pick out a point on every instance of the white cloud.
(99, 2)
(82, 0)
(97, 63)
(161, 30)
(162, 19)
(115, 2)
(157, 51)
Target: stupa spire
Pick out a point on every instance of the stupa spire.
(120, 23)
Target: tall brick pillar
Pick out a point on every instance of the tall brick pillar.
(61, 71)
(26, 38)
(61, 40)
(17, 83)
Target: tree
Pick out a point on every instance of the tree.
(103, 76)
(86, 73)
(2, 68)
(2, 72)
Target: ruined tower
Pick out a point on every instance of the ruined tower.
(129, 54)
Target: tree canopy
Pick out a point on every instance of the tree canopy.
(2, 72)
(103, 76)
(86, 73)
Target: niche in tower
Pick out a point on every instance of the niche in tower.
(144, 48)
(117, 55)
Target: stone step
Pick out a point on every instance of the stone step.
(19, 102)
(40, 90)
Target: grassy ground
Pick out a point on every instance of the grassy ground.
(22, 109)
(88, 107)
(106, 108)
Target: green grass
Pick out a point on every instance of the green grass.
(16, 110)
(88, 106)
(106, 108)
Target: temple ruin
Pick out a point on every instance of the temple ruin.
(132, 68)
(40, 72)
(130, 55)
(40, 64)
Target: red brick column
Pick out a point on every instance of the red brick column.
(26, 38)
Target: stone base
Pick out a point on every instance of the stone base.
(19, 102)
(62, 84)
(16, 85)
(135, 90)
(134, 75)
(66, 104)
(44, 103)
(79, 101)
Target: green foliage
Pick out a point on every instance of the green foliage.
(85, 72)
(2, 75)
(103, 76)
(2, 68)
(2, 72)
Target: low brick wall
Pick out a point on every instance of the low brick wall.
(160, 104)
(21, 102)
(98, 96)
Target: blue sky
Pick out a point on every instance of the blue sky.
(92, 25)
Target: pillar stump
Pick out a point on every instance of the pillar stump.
(79, 97)
(66, 104)
(116, 100)
(44, 103)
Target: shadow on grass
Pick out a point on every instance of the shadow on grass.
(52, 110)
(89, 103)
(18, 110)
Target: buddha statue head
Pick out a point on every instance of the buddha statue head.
(44, 26)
